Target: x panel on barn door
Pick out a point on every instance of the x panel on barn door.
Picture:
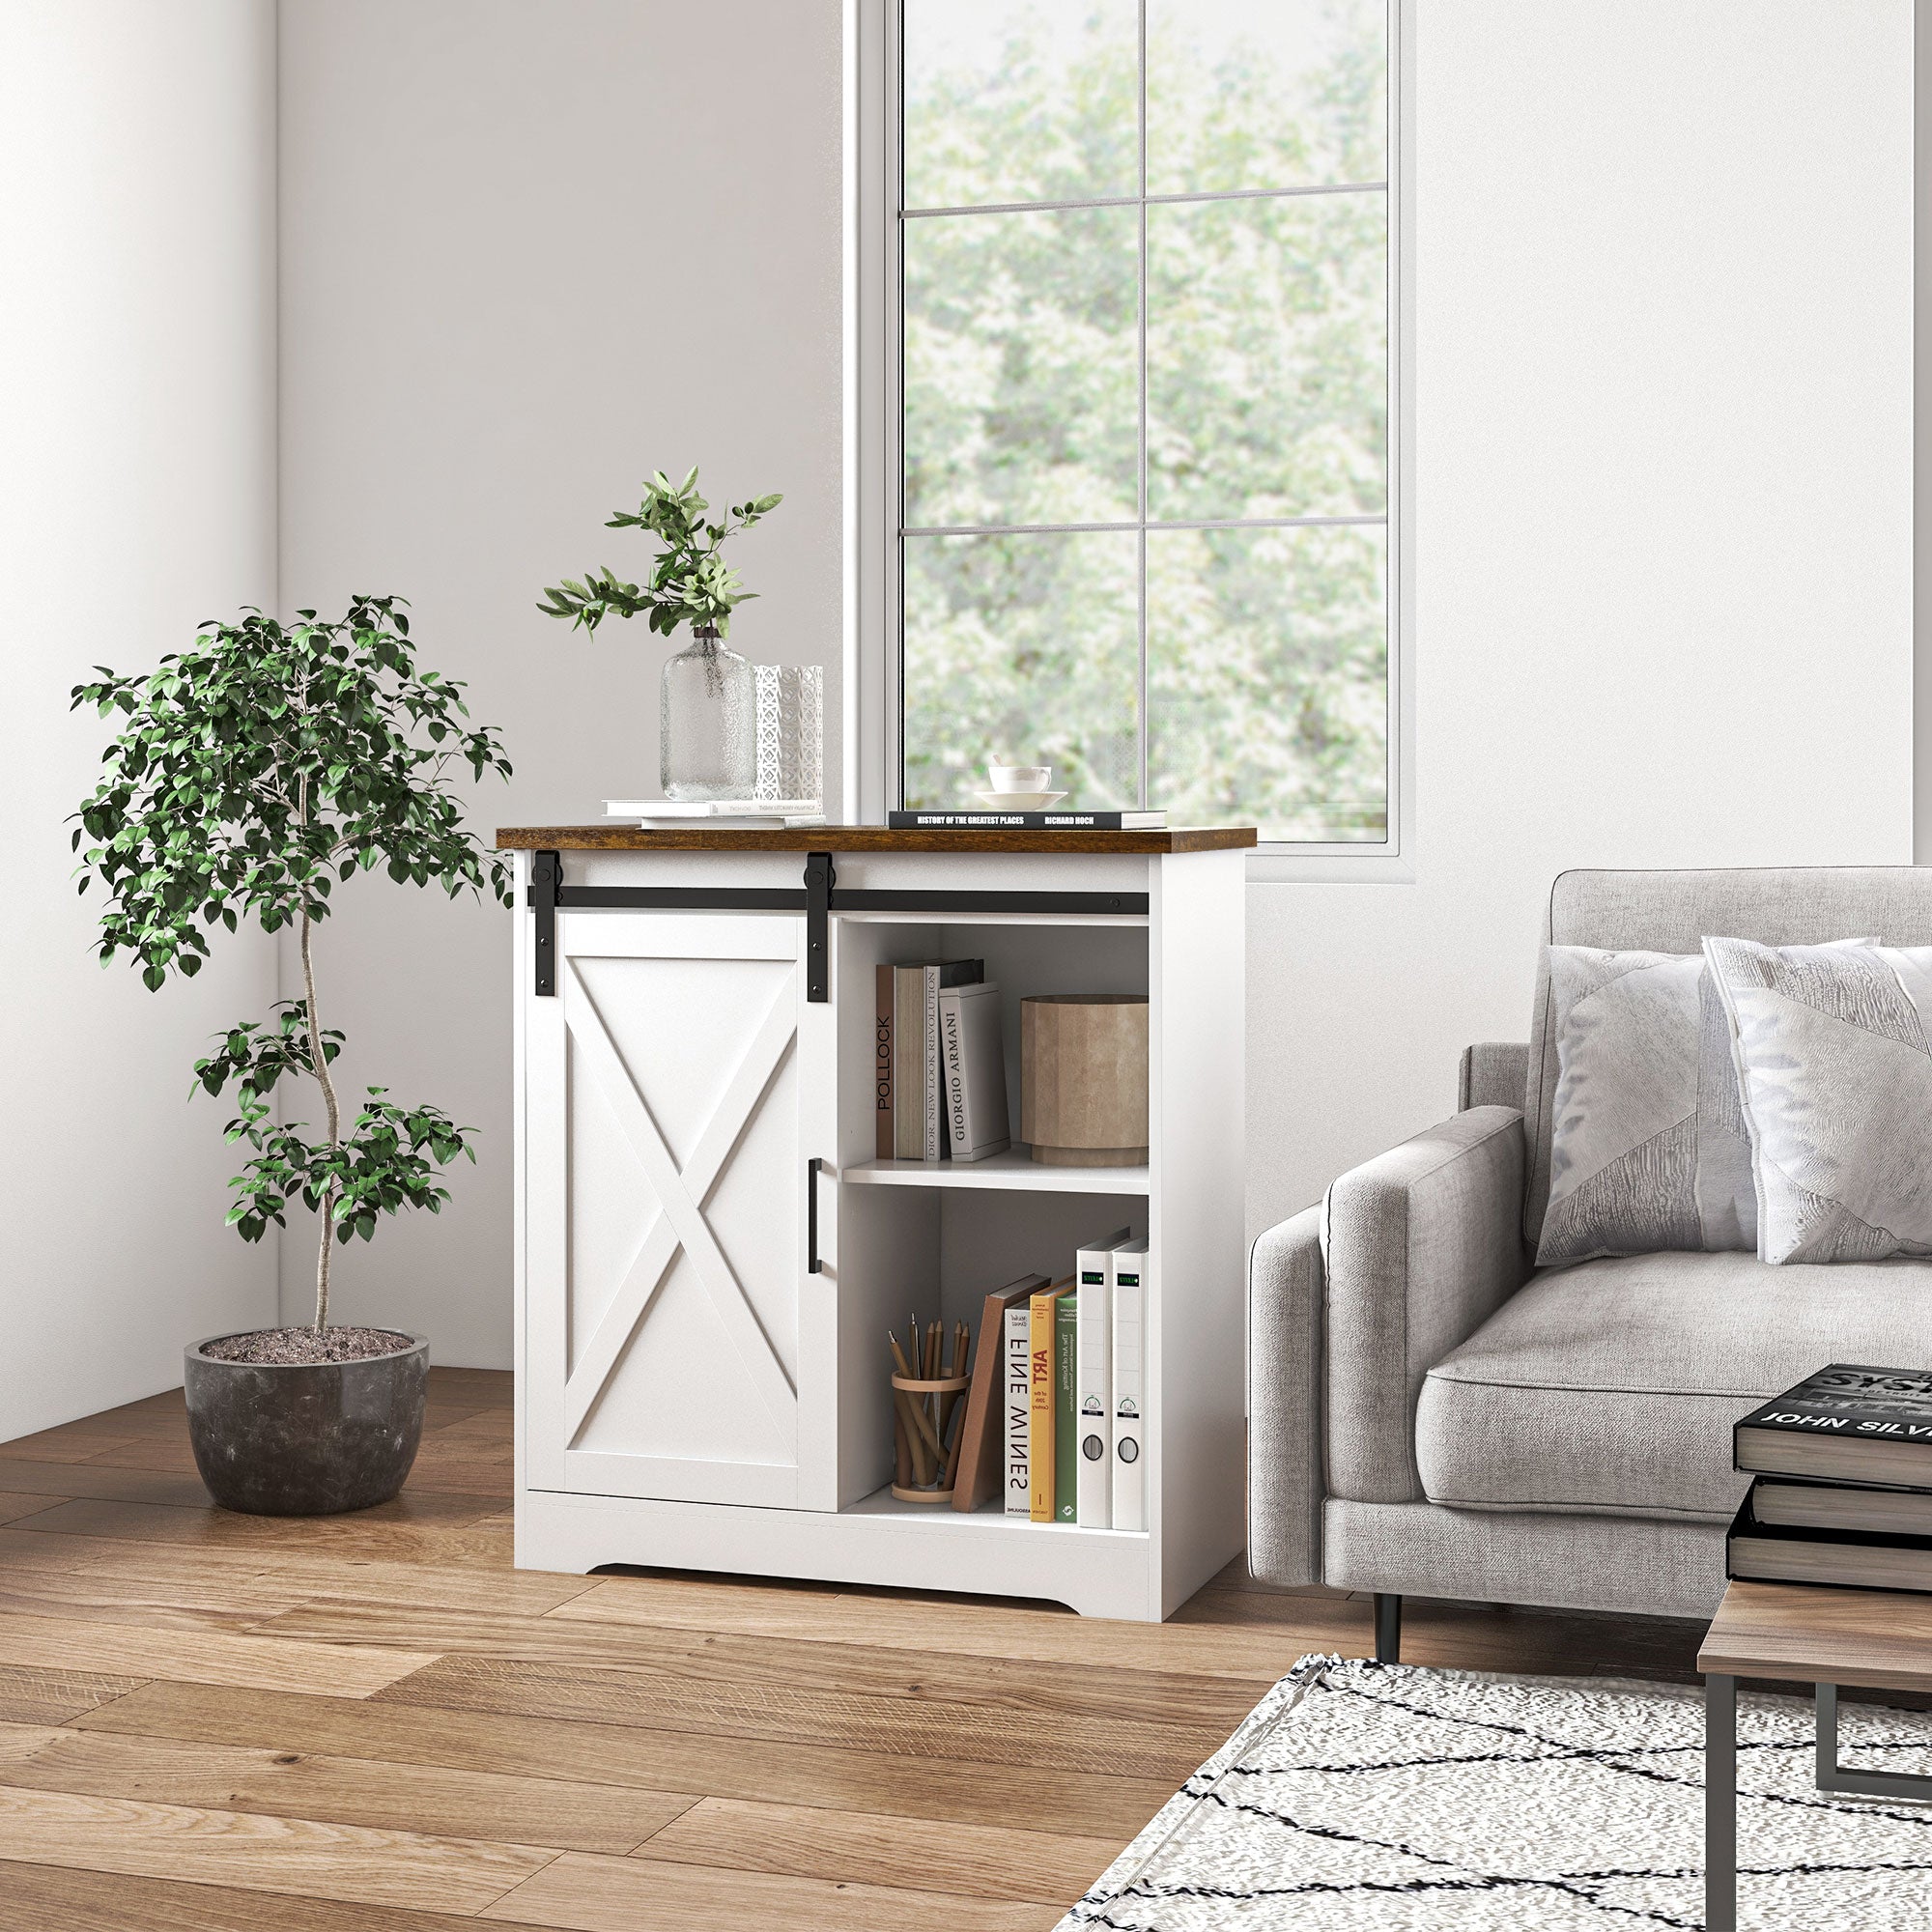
(684, 1351)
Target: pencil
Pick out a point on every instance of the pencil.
(910, 1418)
(915, 1409)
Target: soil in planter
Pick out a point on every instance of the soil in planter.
(290, 1346)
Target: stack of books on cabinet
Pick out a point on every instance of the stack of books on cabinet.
(939, 1069)
(1842, 1488)
(1055, 1420)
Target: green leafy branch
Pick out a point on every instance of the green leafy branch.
(257, 1059)
(259, 770)
(388, 1162)
(690, 580)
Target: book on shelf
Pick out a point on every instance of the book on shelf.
(977, 1474)
(973, 1071)
(1795, 1502)
(991, 819)
(1126, 1490)
(1066, 1407)
(1851, 1422)
(1018, 1398)
(1093, 1276)
(882, 1064)
(914, 1050)
(1070, 1405)
(908, 1061)
(934, 1145)
(1043, 1311)
(1756, 1551)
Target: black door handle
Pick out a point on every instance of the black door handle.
(812, 1264)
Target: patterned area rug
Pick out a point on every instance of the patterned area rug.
(1367, 1795)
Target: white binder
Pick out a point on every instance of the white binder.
(1093, 1383)
(1132, 1267)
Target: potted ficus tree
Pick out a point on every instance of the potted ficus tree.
(251, 775)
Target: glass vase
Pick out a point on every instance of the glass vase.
(708, 721)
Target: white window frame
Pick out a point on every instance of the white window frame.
(872, 699)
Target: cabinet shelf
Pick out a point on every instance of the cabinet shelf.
(987, 1521)
(1016, 1172)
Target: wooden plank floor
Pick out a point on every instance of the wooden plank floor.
(372, 1723)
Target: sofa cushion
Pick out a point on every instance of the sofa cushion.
(1649, 1148)
(1612, 1386)
(1835, 1071)
(1671, 912)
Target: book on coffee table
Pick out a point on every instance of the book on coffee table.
(1755, 1552)
(1847, 1423)
(1799, 1502)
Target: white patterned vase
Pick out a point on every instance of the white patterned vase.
(791, 730)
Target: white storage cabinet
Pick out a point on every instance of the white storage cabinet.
(708, 1255)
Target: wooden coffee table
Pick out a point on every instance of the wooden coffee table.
(1876, 1639)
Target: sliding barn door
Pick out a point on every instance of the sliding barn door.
(679, 1082)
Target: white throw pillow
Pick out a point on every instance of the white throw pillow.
(1834, 1051)
(1649, 1146)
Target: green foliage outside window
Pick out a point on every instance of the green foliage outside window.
(1266, 669)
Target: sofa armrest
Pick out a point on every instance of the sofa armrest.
(1494, 1074)
(1420, 1246)
(1284, 1401)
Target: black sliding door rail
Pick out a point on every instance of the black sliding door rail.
(818, 897)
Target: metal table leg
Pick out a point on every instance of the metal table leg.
(1913, 1786)
(1720, 1803)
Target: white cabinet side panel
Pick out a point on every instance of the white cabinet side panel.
(1197, 1112)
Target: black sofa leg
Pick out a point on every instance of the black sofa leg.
(1388, 1627)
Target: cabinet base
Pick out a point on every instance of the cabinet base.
(1099, 1572)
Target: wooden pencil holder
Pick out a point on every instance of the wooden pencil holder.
(924, 1441)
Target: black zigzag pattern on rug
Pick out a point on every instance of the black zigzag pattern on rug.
(1619, 1760)
(1346, 1786)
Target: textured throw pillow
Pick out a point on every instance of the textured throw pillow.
(1834, 1051)
(1649, 1146)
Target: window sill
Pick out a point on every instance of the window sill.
(1328, 865)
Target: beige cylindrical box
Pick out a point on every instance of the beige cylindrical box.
(1083, 1078)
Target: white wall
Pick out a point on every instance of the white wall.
(1662, 514)
(1921, 433)
(137, 498)
(1663, 517)
(532, 250)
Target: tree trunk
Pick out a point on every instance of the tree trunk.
(319, 1062)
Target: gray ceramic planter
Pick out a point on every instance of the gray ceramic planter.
(309, 1438)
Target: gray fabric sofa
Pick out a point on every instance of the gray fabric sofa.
(1430, 1415)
